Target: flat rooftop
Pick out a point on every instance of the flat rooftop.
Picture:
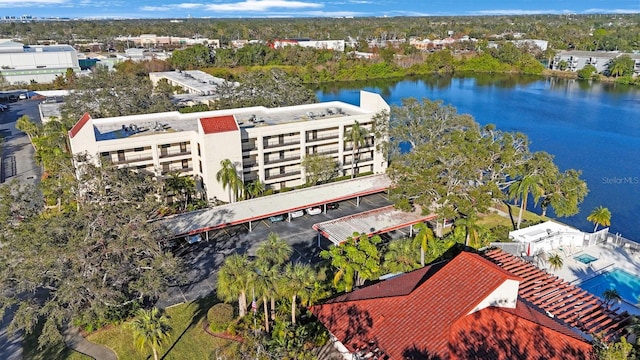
(263, 207)
(149, 124)
(377, 221)
(194, 79)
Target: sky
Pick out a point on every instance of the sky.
(171, 9)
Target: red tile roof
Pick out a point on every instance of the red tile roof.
(414, 313)
(522, 333)
(76, 128)
(218, 124)
(564, 301)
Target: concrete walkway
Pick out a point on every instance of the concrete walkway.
(77, 342)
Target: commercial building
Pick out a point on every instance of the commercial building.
(263, 144)
(21, 63)
(575, 60)
(190, 81)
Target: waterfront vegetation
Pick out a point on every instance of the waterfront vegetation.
(466, 169)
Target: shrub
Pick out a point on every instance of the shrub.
(220, 316)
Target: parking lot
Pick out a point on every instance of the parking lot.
(204, 258)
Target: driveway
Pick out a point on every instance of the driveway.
(17, 153)
(204, 259)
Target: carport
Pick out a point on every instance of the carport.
(373, 222)
(257, 209)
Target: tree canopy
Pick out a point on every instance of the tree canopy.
(91, 266)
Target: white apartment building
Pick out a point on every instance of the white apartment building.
(266, 144)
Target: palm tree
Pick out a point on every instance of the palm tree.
(555, 262)
(181, 187)
(235, 279)
(600, 216)
(271, 255)
(150, 329)
(254, 188)
(228, 177)
(401, 256)
(357, 136)
(471, 230)
(298, 280)
(423, 237)
(28, 127)
(265, 284)
(610, 296)
(528, 184)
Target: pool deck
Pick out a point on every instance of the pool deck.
(608, 256)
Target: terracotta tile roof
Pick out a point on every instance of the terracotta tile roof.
(522, 333)
(218, 124)
(76, 128)
(412, 315)
(566, 302)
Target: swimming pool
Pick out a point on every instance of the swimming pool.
(625, 283)
(585, 258)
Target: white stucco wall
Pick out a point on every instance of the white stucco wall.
(504, 295)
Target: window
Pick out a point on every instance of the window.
(200, 166)
(183, 147)
(199, 153)
(185, 164)
(120, 155)
(138, 149)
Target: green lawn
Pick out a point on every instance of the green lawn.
(492, 219)
(188, 339)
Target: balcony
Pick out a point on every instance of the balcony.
(326, 152)
(283, 175)
(128, 159)
(268, 145)
(249, 147)
(173, 152)
(281, 160)
(166, 172)
(312, 139)
(359, 161)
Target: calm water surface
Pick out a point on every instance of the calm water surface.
(591, 127)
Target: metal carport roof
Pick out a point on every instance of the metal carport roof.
(263, 207)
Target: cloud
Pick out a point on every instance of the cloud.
(11, 3)
(519, 12)
(612, 11)
(262, 5)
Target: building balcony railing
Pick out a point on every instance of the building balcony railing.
(322, 137)
(281, 160)
(283, 175)
(172, 153)
(128, 159)
(249, 147)
(249, 164)
(359, 161)
(279, 144)
(326, 152)
(180, 170)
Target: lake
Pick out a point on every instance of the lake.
(592, 127)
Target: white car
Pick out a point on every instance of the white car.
(296, 214)
(314, 211)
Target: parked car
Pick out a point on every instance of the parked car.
(192, 239)
(333, 206)
(3, 107)
(297, 214)
(314, 211)
(276, 218)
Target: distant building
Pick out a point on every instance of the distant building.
(153, 40)
(21, 63)
(266, 144)
(575, 60)
(336, 45)
(191, 81)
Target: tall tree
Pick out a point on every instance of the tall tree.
(319, 168)
(28, 127)
(298, 281)
(356, 136)
(356, 260)
(271, 255)
(254, 188)
(229, 178)
(108, 257)
(182, 188)
(150, 329)
(400, 256)
(555, 262)
(422, 239)
(600, 216)
(235, 279)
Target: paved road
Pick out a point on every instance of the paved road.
(203, 259)
(16, 162)
(17, 152)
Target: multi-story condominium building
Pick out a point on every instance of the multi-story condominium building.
(575, 60)
(40, 63)
(264, 144)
